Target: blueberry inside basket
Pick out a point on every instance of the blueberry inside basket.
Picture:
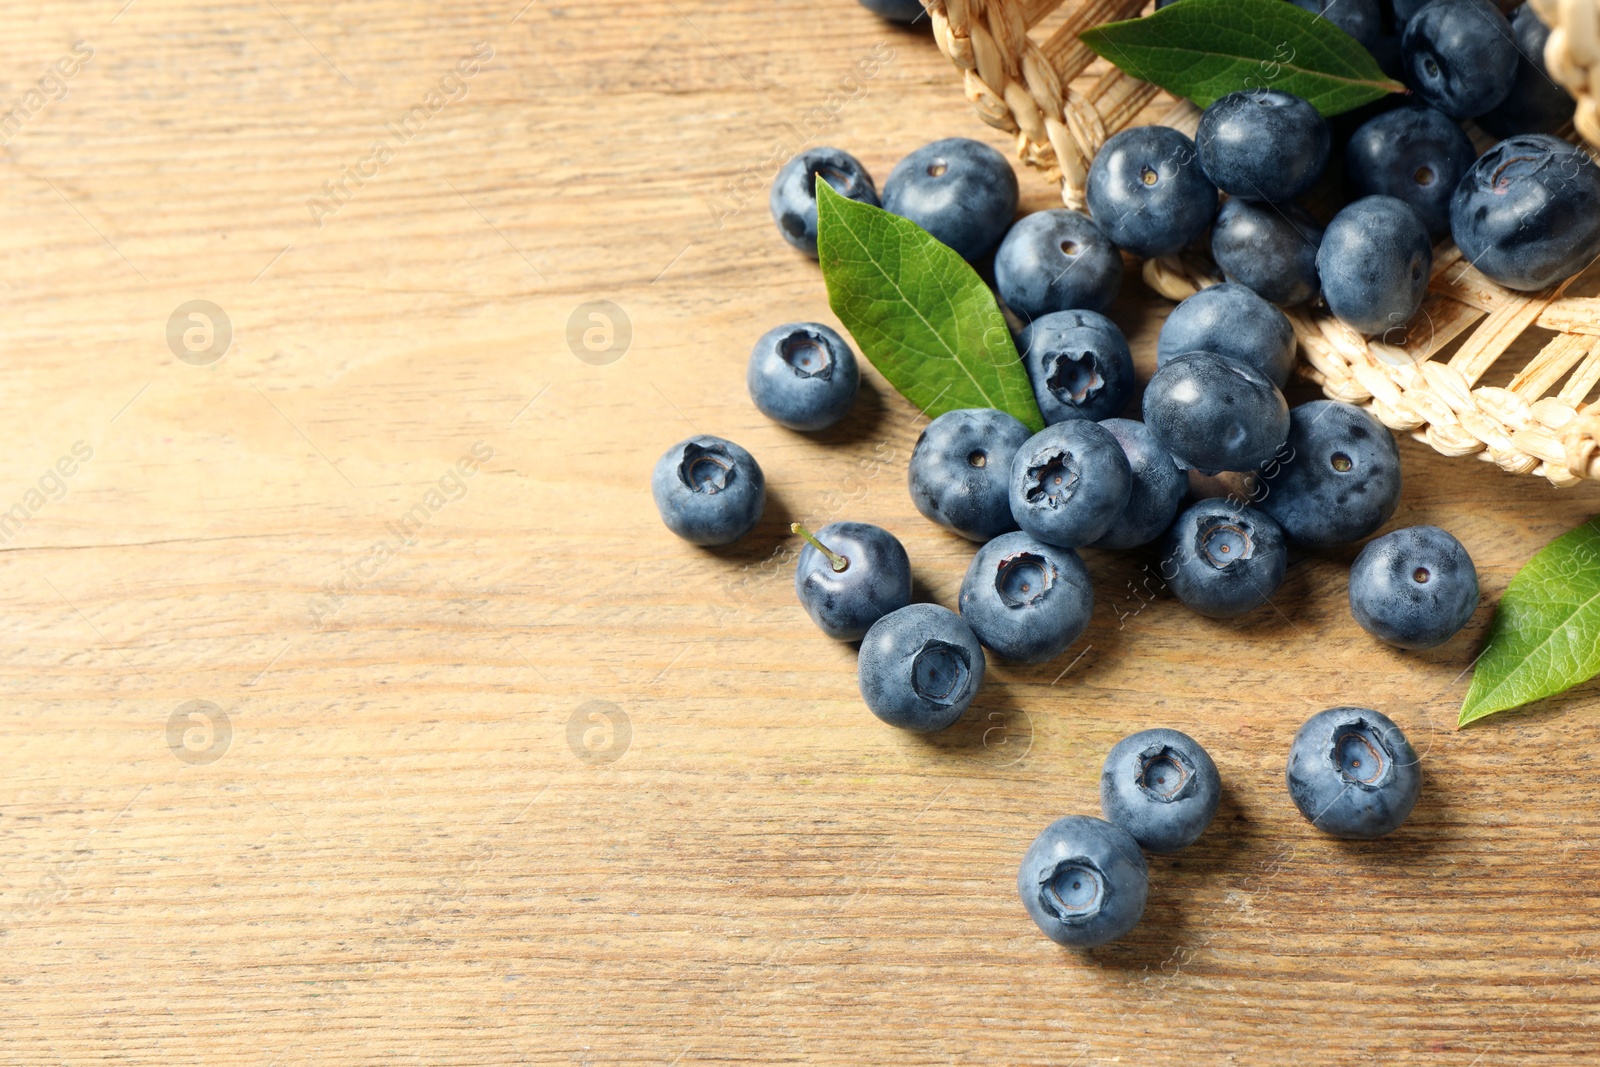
(1444, 379)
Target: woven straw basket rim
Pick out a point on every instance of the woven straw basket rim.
(1026, 72)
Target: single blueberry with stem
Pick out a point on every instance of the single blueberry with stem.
(850, 575)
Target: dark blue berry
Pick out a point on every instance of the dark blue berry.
(803, 376)
(1353, 774)
(1215, 414)
(920, 667)
(1070, 483)
(1414, 588)
(874, 580)
(1270, 249)
(1459, 56)
(1375, 262)
(708, 490)
(1224, 559)
(1158, 487)
(793, 198)
(1338, 479)
(961, 191)
(1056, 261)
(1263, 144)
(1361, 19)
(1528, 212)
(960, 471)
(1084, 881)
(1231, 320)
(1162, 787)
(1147, 192)
(1026, 600)
(1536, 103)
(1415, 154)
(1079, 364)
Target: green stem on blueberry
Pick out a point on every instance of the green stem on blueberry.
(838, 562)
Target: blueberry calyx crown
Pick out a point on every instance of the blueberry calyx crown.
(1074, 378)
(940, 672)
(1053, 480)
(1221, 541)
(807, 355)
(1360, 754)
(706, 468)
(1164, 773)
(1073, 890)
(1023, 578)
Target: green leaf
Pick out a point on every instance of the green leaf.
(919, 312)
(1546, 638)
(1206, 49)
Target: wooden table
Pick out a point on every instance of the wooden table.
(361, 711)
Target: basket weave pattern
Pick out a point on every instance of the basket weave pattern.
(1026, 72)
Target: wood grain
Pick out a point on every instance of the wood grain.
(404, 852)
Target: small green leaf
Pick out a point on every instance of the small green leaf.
(1206, 49)
(1546, 638)
(919, 312)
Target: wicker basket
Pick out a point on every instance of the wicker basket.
(1026, 72)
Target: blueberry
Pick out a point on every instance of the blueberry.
(1360, 19)
(1084, 881)
(1224, 559)
(1147, 192)
(1070, 483)
(1057, 261)
(1231, 320)
(1375, 262)
(1353, 774)
(1414, 588)
(1215, 414)
(793, 198)
(1270, 249)
(1079, 364)
(1158, 487)
(920, 667)
(1338, 479)
(1263, 144)
(850, 575)
(961, 191)
(1528, 212)
(708, 490)
(803, 376)
(1161, 787)
(1415, 154)
(1459, 56)
(1536, 104)
(960, 471)
(1026, 600)
(896, 10)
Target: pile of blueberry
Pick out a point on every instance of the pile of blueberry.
(1320, 475)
